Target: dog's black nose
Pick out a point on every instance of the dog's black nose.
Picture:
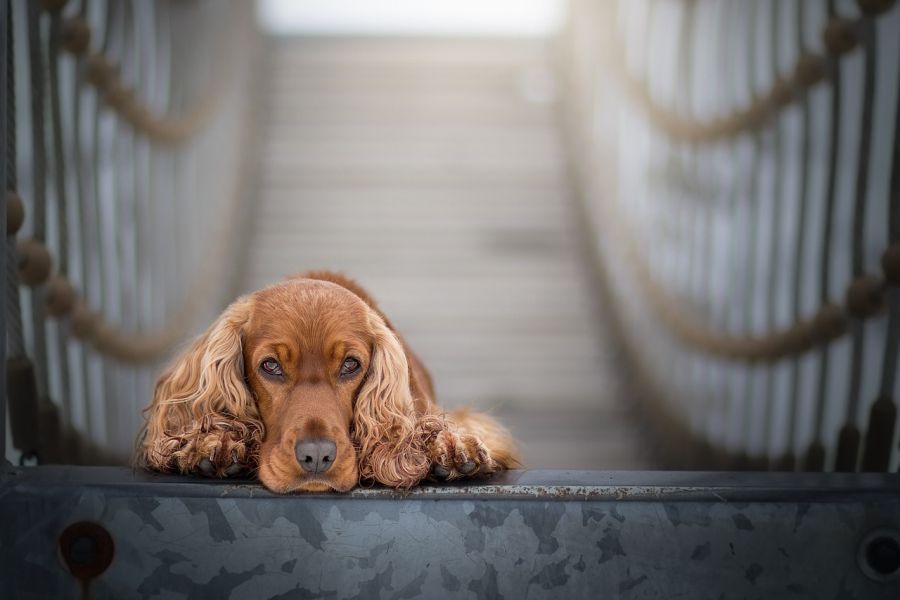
(315, 456)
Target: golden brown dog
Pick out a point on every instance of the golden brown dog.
(307, 382)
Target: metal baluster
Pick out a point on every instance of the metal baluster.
(815, 454)
(849, 436)
(48, 436)
(55, 291)
(80, 247)
(99, 122)
(883, 413)
(748, 264)
(6, 34)
(788, 460)
(731, 318)
(777, 207)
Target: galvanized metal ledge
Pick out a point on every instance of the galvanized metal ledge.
(119, 533)
(715, 486)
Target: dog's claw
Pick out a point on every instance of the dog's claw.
(440, 472)
(235, 469)
(206, 467)
(467, 467)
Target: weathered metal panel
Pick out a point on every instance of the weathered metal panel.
(535, 534)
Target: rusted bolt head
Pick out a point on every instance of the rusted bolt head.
(890, 264)
(829, 323)
(865, 296)
(75, 35)
(810, 70)
(61, 296)
(83, 321)
(874, 7)
(99, 72)
(86, 549)
(15, 212)
(879, 555)
(34, 262)
(839, 36)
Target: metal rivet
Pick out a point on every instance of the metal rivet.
(86, 549)
(879, 555)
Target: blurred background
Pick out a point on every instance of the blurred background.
(643, 234)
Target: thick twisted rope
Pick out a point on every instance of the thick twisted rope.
(864, 299)
(840, 37)
(102, 73)
(35, 268)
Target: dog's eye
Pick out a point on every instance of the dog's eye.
(350, 366)
(271, 366)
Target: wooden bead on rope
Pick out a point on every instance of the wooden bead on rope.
(829, 323)
(15, 212)
(34, 262)
(99, 72)
(890, 264)
(873, 8)
(75, 35)
(810, 70)
(839, 36)
(84, 322)
(865, 296)
(61, 296)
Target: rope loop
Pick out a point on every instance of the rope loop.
(98, 70)
(75, 36)
(890, 264)
(865, 296)
(873, 8)
(34, 264)
(53, 5)
(61, 296)
(84, 321)
(829, 323)
(781, 95)
(809, 70)
(840, 36)
(15, 212)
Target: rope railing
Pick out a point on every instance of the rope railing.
(102, 73)
(119, 241)
(864, 299)
(840, 37)
(750, 261)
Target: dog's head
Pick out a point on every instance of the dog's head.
(311, 368)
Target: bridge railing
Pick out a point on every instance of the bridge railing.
(124, 136)
(738, 168)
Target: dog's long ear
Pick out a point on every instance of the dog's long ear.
(391, 438)
(202, 406)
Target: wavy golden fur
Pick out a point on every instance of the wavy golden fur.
(311, 363)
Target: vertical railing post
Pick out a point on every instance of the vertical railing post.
(5, 45)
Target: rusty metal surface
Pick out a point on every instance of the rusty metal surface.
(536, 534)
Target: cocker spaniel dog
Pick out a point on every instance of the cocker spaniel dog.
(307, 383)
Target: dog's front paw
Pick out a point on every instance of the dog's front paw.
(455, 455)
(219, 454)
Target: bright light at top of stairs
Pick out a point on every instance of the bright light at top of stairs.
(413, 17)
